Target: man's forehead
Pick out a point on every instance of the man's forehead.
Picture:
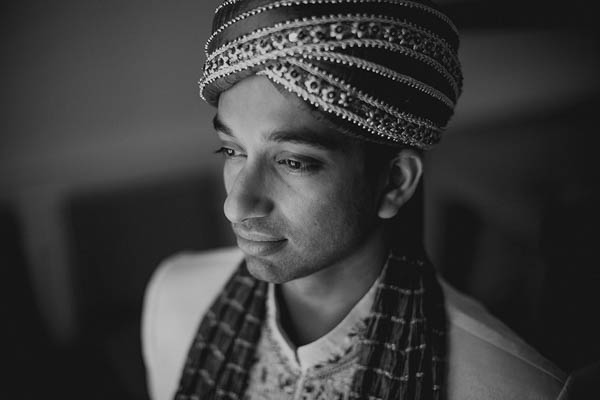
(326, 139)
(255, 106)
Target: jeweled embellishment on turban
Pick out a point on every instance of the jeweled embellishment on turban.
(326, 92)
(300, 37)
(405, 53)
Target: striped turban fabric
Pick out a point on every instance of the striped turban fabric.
(387, 70)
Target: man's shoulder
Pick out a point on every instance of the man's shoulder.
(194, 273)
(487, 360)
(185, 284)
(177, 296)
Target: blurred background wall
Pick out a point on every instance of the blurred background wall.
(106, 168)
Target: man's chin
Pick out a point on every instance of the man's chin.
(267, 271)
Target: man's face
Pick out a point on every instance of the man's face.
(297, 194)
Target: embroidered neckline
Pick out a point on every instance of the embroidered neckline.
(336, 347)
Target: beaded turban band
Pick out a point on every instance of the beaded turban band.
(385, 69)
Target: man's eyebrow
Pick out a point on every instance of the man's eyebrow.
(220, 126)
(307, 137)
(322, 140)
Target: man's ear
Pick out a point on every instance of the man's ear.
(405, 171)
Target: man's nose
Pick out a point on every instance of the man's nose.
(247, 196)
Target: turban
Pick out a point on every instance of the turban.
(386, 70)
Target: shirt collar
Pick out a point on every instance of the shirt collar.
(333, 345)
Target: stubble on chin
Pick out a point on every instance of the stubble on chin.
(264, 270)
(279, 271)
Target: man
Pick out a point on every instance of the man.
(323, 109)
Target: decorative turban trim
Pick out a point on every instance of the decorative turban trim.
(389, 67)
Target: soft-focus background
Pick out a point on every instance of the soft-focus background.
(106, 168)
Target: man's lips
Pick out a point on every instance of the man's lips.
(254, 236)
(257, 243)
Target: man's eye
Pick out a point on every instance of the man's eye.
(293, 164)
(298, 166)
(227, 152)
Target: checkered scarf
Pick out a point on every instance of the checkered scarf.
(403, 348)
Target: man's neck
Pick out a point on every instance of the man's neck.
(312, 306)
